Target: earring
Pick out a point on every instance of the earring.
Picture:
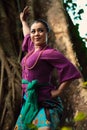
(46, 38)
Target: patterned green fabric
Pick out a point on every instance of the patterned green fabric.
(30, 107)
(30, 111)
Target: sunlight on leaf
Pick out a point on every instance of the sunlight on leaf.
(80, 116)
(85, 84)
(66, 128)
(32, 126)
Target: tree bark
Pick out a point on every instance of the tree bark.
(75, 97)
(79, 47)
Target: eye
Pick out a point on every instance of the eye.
(33, 31)
(41, 30)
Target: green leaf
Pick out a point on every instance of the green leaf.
(80, 116)
(32, 127)
(85, 85)
(69, 1)
(81, 11)
(66, 128)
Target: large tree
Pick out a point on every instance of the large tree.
(75, 97)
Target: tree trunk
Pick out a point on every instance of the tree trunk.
(10, 70)
(75, 97)
(11, 37)
(10, 55)
(79, 47)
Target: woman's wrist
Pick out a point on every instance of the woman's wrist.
(60, 89)
(23, 22)
(55, 93)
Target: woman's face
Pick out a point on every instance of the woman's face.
(38, 34)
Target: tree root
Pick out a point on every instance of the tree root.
(10, 81)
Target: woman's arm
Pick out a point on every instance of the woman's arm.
(23, 17)
(61, 88)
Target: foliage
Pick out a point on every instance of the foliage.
(79, 43)
(85, 85)
(66, 128)
(32, 127)
(10, 41)
(70, 5)
(80, 116)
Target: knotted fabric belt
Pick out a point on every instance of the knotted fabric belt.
(30, 106)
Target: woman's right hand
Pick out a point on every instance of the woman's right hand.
(24, 14)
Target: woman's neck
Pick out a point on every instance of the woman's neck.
(39, 47)
(36, 48)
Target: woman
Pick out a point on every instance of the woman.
(42, 107)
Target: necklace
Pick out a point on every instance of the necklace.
(35, 60)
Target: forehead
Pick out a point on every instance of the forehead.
(37, 25)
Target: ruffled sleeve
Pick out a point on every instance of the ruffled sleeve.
(27, 43)
(66, 70)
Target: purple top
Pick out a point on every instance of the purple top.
(49, 59)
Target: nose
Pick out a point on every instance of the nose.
(37, 33)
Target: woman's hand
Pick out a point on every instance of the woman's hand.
(55, 93)
(23, 18)
(24, 14)
(60, 89)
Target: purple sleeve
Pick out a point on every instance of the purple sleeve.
(66, 70)
(27, 43)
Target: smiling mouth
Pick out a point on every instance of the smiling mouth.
(37, 39)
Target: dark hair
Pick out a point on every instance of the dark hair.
(43, 22)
